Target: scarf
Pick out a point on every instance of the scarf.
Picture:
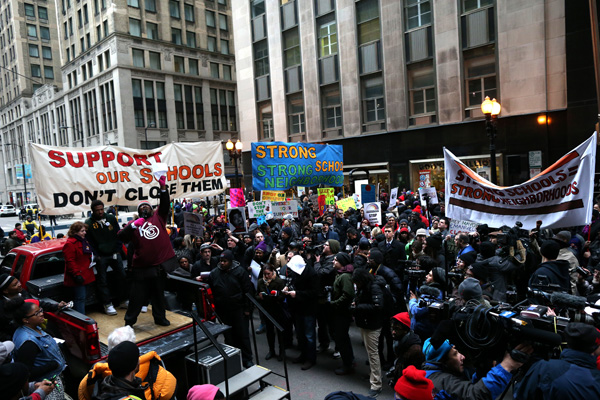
(85, 245)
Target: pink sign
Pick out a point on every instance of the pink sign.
(236, 197)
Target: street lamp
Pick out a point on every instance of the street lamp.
(24, 199)
(235, 152)
(151, 125)
(491, 109)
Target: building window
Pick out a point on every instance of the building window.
(176, 35)
(227, 72)
(162, 105)
(174, 9)
(179, 63)
(47, 53)
(154, 60)
(471, 5)
(34, 51)
(193, 66)
(373, 100)
(265, 121)
(480, 75)
(214, 70)
(133, 3)
(150, 5)
(332, 107)
(418, 13)
(190, 38)
(421, 87)
(212, 43)
(189, 12)
(179, 106)
(44, 33)
(258, 8)
(30, 10)
(367, 19)
(296, 114)
(36, 71)
(223, 22)
(43, 13)
(152, 31)
(224, 46)
(48, 72)
(138, 58)
(210, 19)
(328, 43)
(31, 31)
(261, 58)
(135, 27)
(291, 48)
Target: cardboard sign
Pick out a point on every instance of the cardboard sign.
(237, 219)
(561, 195)
(193, 223)
(272, 195)
(285, 207)
(393, 197)
(373, 213)
(346, 203)
(431, 192)
(301, 191)
(329, 194)
(458, 226)
(236, 197)
(259, 208)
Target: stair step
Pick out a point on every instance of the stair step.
(244, 379)
(271, 393)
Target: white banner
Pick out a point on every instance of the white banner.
(560, 196)
(67, 180)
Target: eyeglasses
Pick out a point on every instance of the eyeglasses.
(36, 314)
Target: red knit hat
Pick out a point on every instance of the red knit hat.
(413, 385)
(403, 318)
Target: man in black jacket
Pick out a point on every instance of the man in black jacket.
(326, 274)
(407, 347)
(124, 363)
(206, 262)
(551, 270)
(341, 225)
(230, 283)
(392, 250)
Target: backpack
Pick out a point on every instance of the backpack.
(388, 297)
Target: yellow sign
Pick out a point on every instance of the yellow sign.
(272, 195)
(346, 203)
(329, 194)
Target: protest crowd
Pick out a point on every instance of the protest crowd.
(482, 314)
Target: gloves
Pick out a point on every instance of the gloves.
(79, 280)
(162, 180)
(139, 222)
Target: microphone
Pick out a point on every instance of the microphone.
(273, 292)
(539, 335)
(568, 301)
(430, 291)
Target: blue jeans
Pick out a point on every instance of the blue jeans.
(79, 294)
(307, 337)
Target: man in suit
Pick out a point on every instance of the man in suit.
(392, 250)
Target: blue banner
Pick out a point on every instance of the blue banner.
(280, 166)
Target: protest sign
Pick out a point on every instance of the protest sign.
(367, 193)
(561, 195)
(192, 223)
(272, 195)
(255, 269)
(285, 207)
(430, 192)
(458, 226)
(237, 219)
(67, 180)
(301, 191)
(236, 197)
(346, 203)
(259, 208)
(393, 197)
(280, 166)
(373, 213)
(329, 194)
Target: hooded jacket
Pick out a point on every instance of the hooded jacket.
(111, 388)
(230, 286)
(556, 272)
(343, 290)
(369, 307)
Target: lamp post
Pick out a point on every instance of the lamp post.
(151, 125)
(491, 109)
(76, 130)
(24, 199)
(235, 152)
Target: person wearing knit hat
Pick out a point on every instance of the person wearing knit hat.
(413, 385)
(324, 267)
(123, 361)
(470, 289)
(13, 381)
(342, 295)
(551, 270)
(230, 283)
(205, 392)
(466, 259)
(407, 346)
(573, 376)
(152, 257)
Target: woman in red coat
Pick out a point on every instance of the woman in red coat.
(78, 256)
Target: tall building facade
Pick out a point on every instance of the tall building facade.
(134, 73)
(396, 80)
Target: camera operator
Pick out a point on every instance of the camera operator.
(499, 268)
(573, 376)
(551, 270)
(361, 254)
(327, 233)
(326, 275)
(563, 238)
(420, 321)
(444, 366)
(588, 283)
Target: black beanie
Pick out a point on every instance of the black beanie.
(480, 270)
(582, 337)
(12, 378)
(343, 258)
(5, 280)
(227, 254)
(123, 358)
(550, 249)
(468, 257)
(487, 249)
(376, 256)
(439, 275)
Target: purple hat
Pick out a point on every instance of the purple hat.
(261, 246)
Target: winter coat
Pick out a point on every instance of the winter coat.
(573, 376)
(343, 290)
(556, 271)
(306, 286)
(369, 307)
(230, 286)
(111, 388)
(77, 263)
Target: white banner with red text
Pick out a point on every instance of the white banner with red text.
(560, 196)
(67, 180)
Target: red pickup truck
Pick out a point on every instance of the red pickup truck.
(40, 267)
